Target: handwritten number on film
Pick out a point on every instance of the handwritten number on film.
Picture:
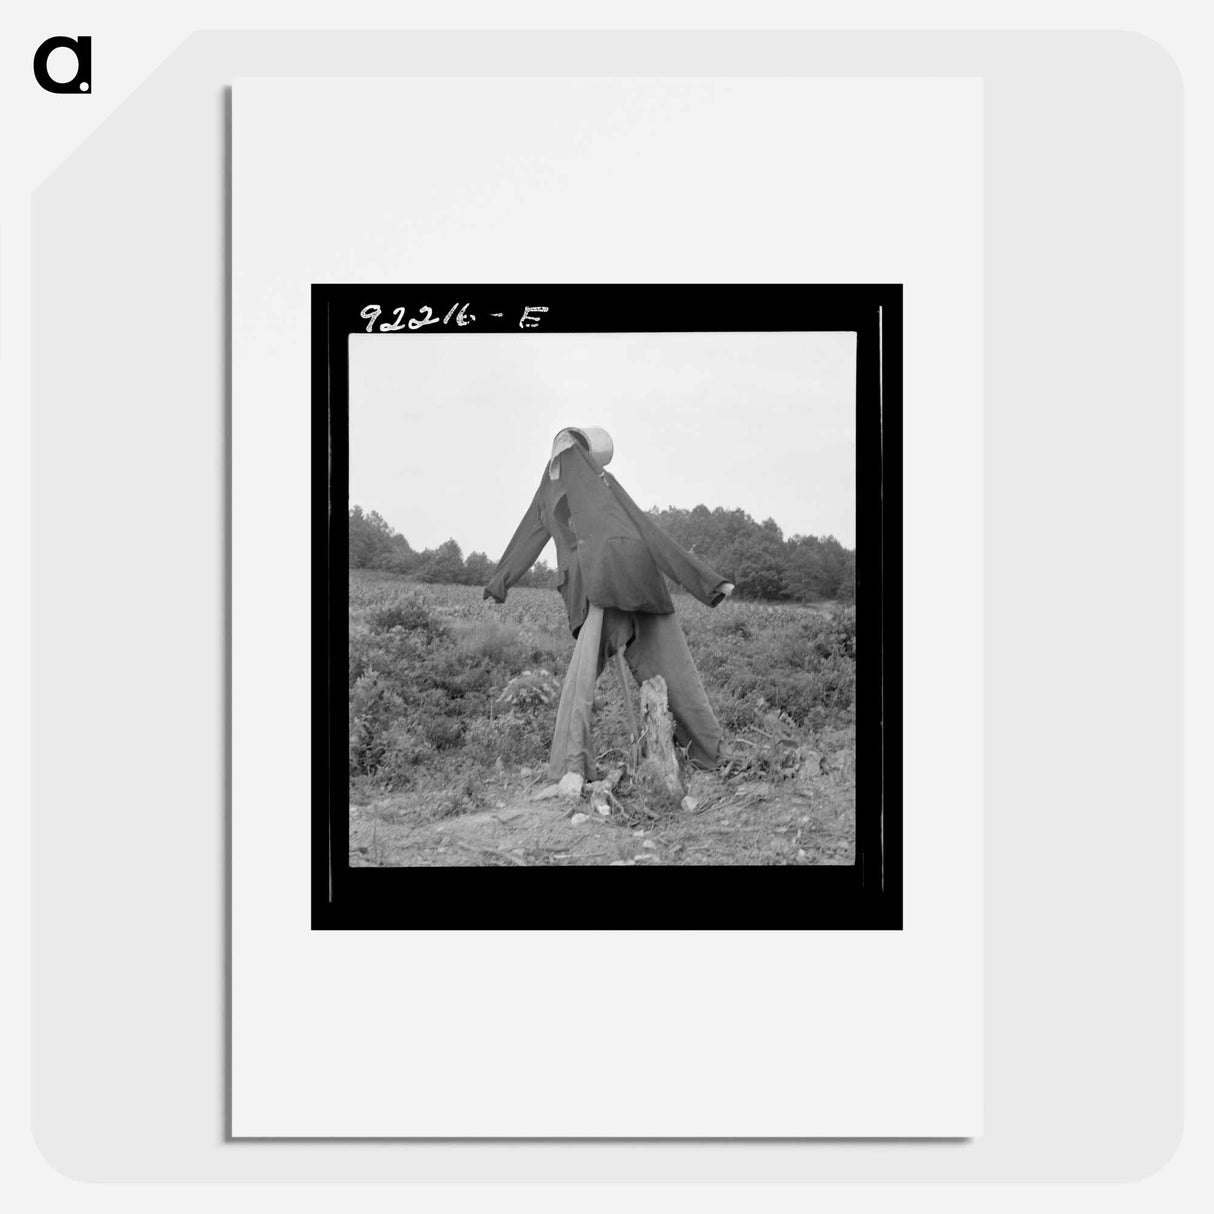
(530, 318)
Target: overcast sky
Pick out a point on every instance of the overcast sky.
(449, 433)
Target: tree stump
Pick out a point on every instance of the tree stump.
(658, 772)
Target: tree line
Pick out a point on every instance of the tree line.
(756, 557)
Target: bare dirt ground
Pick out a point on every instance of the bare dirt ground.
(745, 813)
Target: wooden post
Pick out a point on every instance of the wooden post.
(658, 773)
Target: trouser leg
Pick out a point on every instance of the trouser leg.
(659, 647)
(573, 738)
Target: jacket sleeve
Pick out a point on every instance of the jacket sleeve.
(684, 567)
(523, 550)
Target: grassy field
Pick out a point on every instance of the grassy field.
(452, 705)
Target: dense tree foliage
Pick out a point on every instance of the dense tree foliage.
(372, 541)
(375, 545)
(756, 557)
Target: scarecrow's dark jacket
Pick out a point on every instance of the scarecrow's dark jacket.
(608, 551)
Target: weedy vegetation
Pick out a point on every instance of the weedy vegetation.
(453, 702)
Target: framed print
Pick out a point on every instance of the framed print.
(611, 502)
(563, 680)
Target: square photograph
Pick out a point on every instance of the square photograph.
(594, 586)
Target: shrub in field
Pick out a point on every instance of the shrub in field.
(449, 679)
(408, 613)
(759, 659)
(442, 732)
(500, 643)
(444, 683)
(734, 709)
(374, 706)
(403, 752)
(516, 739)
(530, 690)
(508, 644)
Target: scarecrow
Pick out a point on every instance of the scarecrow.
(610, 560)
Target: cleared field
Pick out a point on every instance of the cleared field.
(453, 701)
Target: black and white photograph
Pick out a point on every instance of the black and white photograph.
(604, 599)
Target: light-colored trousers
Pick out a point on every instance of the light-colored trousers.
(652, 644)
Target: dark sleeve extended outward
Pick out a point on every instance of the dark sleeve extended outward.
(523, 550)
(684, 567)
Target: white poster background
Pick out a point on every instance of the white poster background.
(525, 1034)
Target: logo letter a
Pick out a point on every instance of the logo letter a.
(82, 81)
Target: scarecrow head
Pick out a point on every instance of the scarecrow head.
(594, 440)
